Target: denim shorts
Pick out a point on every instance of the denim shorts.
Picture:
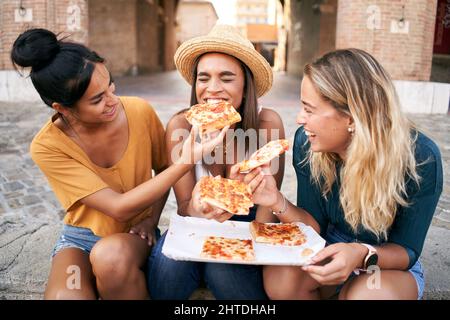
(75, 237)
(81, 238)
(334, 236)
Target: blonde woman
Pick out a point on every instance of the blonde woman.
(368, 181)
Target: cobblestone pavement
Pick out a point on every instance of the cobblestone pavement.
(30, 216)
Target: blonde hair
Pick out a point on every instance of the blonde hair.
(380, 157)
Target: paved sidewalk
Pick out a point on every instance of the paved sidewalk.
(30, 216)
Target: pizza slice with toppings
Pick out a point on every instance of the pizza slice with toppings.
(228, 249)
(212, 117)
(264, 155)
(288, 234)
(230, 195)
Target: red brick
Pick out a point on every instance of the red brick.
(405, 56)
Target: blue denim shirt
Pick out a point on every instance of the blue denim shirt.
(411, 223)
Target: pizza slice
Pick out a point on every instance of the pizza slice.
(212, 117)
(288, 234)
(228, 249)
(264, 155)
(230, 195)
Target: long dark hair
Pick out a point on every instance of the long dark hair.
(249, 105)
(60, 71)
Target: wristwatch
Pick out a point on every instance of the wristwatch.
(371, 258)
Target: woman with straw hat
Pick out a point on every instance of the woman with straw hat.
(221, 66)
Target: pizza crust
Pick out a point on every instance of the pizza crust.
(254, 231)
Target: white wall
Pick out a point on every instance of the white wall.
(14, 88)
(423, 97)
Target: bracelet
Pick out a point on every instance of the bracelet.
(284, 207)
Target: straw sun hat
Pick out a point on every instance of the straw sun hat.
(224, 39)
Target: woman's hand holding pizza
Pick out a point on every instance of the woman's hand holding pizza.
(193, 151)
(205, 210)
(261, 182)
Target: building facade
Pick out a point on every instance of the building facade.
(251, 12)
(410, 38)
(134, 36)
(194, 18)
(399, 34)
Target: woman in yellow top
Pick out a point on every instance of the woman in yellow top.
(98, 152)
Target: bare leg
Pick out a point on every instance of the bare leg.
(117, 262)
(71, 276)
(391, 285)
(292, 283)
(289, 283)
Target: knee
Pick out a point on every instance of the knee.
(294, 291)
(274, 292)
(112, 257)
(69, 294)
(369, 294)
(281, 291)
(275, 285)
(282, 283)
(355, 293)
(359, 290)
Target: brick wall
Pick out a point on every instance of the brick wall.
(113, 33)
(170, 39)
(303, 34)
(366, 24)
(133, 35)
(311, 31)
(67, 16)
(148, 41)
(327, 35)
(194, 19)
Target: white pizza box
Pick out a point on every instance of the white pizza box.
(185, 237)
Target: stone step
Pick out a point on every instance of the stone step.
(24, 271)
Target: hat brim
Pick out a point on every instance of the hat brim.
(187, 54)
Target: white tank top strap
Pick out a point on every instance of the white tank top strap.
(201, 171)
(259, 108)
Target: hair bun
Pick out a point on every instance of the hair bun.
(35, 48)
